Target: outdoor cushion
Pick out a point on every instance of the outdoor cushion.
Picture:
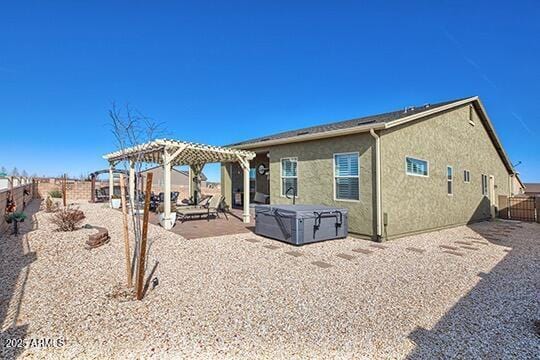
(260, 198)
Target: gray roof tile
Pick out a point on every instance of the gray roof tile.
(372, 119)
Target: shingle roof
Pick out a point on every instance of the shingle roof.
(346, 124)
(532, 187)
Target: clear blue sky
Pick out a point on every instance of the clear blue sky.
(220, 72)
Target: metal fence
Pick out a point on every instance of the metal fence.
(523, 208)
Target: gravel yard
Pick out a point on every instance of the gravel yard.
(470, 291)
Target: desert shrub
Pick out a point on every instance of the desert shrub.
(67, 219)
(50, 206)
(55, 194)
(17, 216)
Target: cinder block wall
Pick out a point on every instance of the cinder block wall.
(80, 190)
(77, 190)
(19, 197)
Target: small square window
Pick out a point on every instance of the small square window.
(416, 167)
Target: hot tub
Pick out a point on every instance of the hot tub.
(301, 224)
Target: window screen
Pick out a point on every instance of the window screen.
(416, 166)
(346, 173)
(289, 176)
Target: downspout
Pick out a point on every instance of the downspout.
(378, 182)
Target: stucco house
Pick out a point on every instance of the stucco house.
(398, 173)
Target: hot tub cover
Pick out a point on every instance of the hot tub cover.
(301, 224)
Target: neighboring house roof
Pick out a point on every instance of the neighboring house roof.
(376, 122)
(184, 172)
(532, 187)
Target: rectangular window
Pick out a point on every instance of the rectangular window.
(484, 185)
(289, 176)
(416, 167)
(466, 176)
(346, 176)
(450, 180)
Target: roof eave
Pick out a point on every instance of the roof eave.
(308, 137)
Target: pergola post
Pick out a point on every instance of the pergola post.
(190, 182)
(111, 183)
(132, 195)
(93, 188)
(167, 223)
(244, 163)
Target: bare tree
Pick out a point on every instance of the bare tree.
(3, 171)
(15, 172)
(24, 173)
(131, 128)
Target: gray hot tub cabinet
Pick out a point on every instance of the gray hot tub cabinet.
(301, 224)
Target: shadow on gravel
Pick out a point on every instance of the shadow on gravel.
(15, 260)
(496, 319)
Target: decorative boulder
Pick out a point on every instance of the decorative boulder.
(98, 239)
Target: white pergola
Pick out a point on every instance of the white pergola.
(169, 153)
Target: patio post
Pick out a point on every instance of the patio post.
(92, 188)
(246, 194)
(190, 182)
(244, 163)
(167, 223)
(132, 194)
(111, 182)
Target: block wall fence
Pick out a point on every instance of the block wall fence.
(20, 200)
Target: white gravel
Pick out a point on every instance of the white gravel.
(226, 297)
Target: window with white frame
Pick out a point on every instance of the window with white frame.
(289, 176)
(346, 176)
(450, 180)
(416, 167)
(484, 185)
(466, 176)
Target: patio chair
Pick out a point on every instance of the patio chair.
(102, 194)
(202, 204)
(210, 210)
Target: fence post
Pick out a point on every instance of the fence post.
(503, 207)
(537, 205)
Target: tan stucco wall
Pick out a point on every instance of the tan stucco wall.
(226, 183)
(316, 176)
(414, 203)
